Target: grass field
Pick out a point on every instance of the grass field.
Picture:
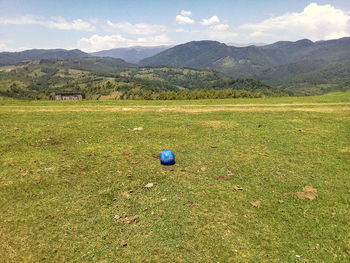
(73, 176)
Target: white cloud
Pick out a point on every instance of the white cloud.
(62, 24)
(54, 22)
(3, 43)
(336, 35)
(7, 46)
(183, 30)
(3, 46)
(185, 13)
(258, 34)
(180, 19)
(220, 27)
(210, 21)
(137, 29)
(183, 17)
(97, 42)
(315, 22)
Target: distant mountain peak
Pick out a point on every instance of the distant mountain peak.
(279, 63)
(131, 54)
(245, 45)
(305, 40)
(8, 58)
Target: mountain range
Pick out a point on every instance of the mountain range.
(245, 44)
(131, 54)
(290, 65)
(302, 67)
(11, 58)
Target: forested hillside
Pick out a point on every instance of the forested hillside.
(109, 78)
(11, 58)
(301, 67)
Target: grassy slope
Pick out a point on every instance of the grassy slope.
(65, 170)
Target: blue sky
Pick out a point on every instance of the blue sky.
(96, 25)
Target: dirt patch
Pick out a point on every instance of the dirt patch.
(168, 168)
(311, 107)
(192, 204)
(222, 177)
(155, 155)
(126, 220)
(308, 193)
(51, 141)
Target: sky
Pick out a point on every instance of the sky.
(105, 24)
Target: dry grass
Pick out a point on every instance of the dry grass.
(307, 107)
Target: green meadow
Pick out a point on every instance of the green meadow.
(255, 180)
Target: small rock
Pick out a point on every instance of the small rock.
(37, 179)
(237, 187)
(149, 185)
(123, 243)
(130, 219)
(229, 173)
(256, 204)
(280, 201)
(203, 169)
(138, 129)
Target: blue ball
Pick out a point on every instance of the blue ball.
(167, 157)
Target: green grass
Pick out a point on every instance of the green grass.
(67, 169)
